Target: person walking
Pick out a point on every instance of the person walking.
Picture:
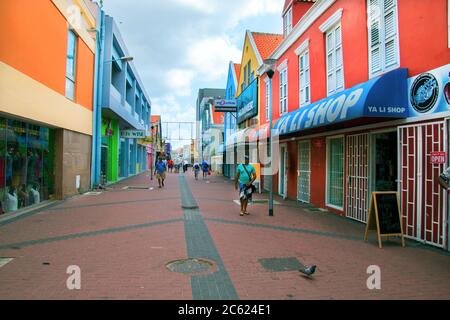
(245, 176)
(170, 164)
(160, 172)
(205, 168)
(196, 168)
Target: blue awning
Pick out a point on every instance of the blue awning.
(384, 96)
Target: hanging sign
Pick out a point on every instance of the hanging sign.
(384, 216)
(133, 134)
(222, 105)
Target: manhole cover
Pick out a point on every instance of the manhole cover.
(188, 266)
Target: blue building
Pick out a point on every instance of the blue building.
(123, 111)
(230, 122)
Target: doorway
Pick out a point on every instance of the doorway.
(104, 164)
(385, 161)
(304, 171)
(282, 176)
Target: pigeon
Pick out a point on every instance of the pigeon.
(308, 270)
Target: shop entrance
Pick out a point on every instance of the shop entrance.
(104, 164)
(423, 202)
(282, 176)
(385, 164)
(357, 177)
(304, 171)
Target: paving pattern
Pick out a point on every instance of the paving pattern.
(124, 239)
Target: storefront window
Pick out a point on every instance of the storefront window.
(26, 164)
(335, 179)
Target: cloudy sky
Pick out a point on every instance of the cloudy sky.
(180, 46)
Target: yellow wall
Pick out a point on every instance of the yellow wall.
(25, 97)
(248, 54)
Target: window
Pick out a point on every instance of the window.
(267, 99)
(335, 172)
(71, 65)
(249, 73)
(244, 84)
(283, 91)
(335, 66)
(305, 88)
(383, 36)
(287, 22)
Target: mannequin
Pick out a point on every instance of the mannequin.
(35, 197)
(11, 200)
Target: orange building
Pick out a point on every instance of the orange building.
(47, 62)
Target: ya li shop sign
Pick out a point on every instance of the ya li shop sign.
(438, 157)
(383, 97)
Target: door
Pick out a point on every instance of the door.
(423, 202)
(104, 164)
(282, 177)
(304, 171)
(357, 177)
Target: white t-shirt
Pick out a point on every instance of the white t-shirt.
(36, 196)
(11, 202)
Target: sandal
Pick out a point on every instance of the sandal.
(241, 214)
(247, 213)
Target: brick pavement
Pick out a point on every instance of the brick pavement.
(122, 240)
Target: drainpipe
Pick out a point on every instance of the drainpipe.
(97, 114)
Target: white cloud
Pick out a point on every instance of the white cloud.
(210, 57)
(205, 6)
(179, 81)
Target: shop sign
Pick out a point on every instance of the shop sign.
(247, 102)
(133, 134)
(383, 97)
(222, 105)
(429, 92)
(438, 157)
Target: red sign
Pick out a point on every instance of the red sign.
(438, 157)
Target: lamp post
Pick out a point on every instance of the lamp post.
(269, 67)
(126, 59)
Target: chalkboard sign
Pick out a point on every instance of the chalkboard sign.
(384, 216)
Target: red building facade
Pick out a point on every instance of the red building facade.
(359, 92)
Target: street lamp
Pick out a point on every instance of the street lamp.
(269, 65)
(128, 58)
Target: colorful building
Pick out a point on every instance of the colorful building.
(209, 124)
(359, 91)
(125, 111)
(47, 58)
(230, 120)
(249, 96)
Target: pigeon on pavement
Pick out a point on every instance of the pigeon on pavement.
(308, 270)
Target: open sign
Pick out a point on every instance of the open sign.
(438, 157)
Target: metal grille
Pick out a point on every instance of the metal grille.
(357, 177)
(304, 171)
(335, 188)
(423, 201)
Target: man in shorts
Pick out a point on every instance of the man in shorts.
(160, 172)
(245, 176)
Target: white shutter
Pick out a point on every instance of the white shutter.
(383, 36)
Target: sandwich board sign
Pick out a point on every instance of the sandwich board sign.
(384, 216)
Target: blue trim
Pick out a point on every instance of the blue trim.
(383, 97)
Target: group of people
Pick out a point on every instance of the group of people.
(245, 176)
(168, 165)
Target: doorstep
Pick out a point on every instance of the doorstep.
(28, 211)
